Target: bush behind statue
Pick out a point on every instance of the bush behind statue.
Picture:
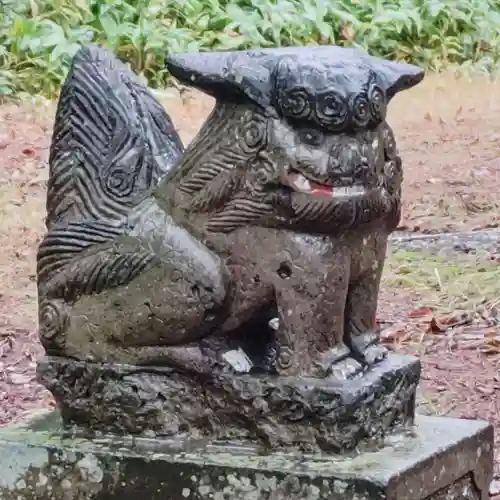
(39, 37)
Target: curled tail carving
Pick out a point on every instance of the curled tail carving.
(112, 142)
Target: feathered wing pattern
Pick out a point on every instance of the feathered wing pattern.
(111, 144)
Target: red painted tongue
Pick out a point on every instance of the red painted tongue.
(316, 188)
(321, 190)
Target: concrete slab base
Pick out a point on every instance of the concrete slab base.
(438, 459)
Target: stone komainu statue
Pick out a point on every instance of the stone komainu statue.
(162, 269)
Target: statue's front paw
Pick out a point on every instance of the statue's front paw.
(337, 363)
(366, 348)
(375, 353)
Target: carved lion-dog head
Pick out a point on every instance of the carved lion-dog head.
(297, 138)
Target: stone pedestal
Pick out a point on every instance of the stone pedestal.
(308, 414)
(438, 459)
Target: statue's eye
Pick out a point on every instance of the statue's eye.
(311, 137)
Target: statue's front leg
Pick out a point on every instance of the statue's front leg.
(360, 332)
(309, 337)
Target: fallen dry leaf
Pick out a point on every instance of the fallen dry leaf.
(28, 152)
(420, 312)
(436, 326)
(393, 333)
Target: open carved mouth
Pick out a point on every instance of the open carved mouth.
(301, 184)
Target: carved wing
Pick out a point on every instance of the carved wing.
(112, 141)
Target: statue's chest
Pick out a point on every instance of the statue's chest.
(282, 257)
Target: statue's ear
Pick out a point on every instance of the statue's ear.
(224, 75)
(397, 76)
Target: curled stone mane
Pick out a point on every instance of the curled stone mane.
(219, 147)
(220, 167)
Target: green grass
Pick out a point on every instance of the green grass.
(465, 284)
(39, 37)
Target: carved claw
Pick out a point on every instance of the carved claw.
(338, 363)
(375, 353)
(346, 369)
(365, 348)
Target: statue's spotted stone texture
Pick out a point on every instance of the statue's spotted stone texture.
(228, 290)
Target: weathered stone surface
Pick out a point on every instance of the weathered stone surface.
(463, 489)
(281, 205)
(278, 211)
(306, 413)
(228, 292)
(442, 459)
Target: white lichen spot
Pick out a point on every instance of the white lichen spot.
(313, 492)
(186, 492)
(90, 469)
(21, 461)
(21, 484)
(204, 490)
(274, 324)
(239, 360)
(232, 479)
(66, 484)
(245, 481)
(264, 483)
(71, 457)
(42, 480)
(340, 487)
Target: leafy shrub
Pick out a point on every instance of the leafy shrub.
(39, 37)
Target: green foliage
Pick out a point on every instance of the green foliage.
(39, 37)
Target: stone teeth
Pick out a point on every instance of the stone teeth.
(302, 184)
(340, 192)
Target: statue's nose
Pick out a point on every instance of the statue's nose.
(349, 163)
(342, 161)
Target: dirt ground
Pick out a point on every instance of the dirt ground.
(448, 132)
